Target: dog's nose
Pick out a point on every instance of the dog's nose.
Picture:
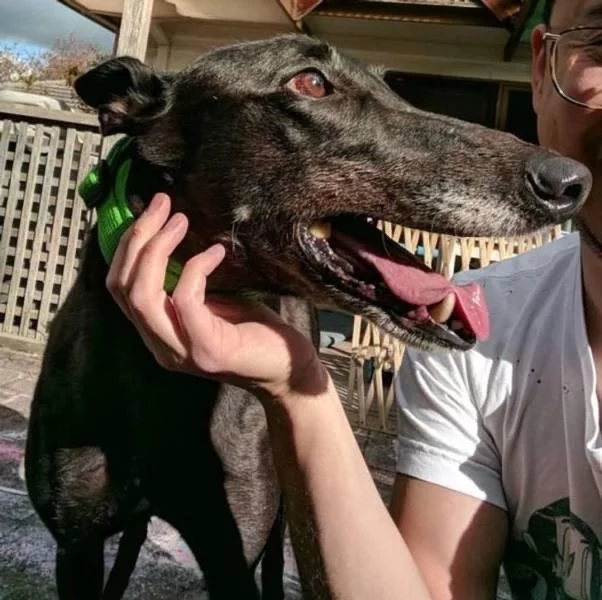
(560, 184)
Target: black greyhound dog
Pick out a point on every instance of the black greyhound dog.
(287, 152)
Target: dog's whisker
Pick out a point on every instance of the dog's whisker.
(233, 238)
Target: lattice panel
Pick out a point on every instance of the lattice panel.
(42, 220)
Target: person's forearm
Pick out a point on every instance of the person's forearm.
(346, 544)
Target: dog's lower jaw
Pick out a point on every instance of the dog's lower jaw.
(422, 339)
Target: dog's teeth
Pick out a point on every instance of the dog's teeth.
(442, 311)
(456, 325)
(321, 229)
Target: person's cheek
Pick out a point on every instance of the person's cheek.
(584, 135)
(574, 132)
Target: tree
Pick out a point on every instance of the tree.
(65, 60)
(15, 66)
(68, 58)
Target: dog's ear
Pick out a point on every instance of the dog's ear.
(127, 94)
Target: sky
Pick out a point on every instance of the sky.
(35, 24)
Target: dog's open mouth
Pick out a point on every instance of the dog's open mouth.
(359, 260)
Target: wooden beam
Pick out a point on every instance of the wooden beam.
(526, 11)
(135, 28)
(297, 9)
(158, 35)
(161, 39)
(162, 57)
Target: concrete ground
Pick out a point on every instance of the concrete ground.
(165, 570)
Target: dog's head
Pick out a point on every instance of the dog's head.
(289, 153)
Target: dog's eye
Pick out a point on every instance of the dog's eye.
(310, 83)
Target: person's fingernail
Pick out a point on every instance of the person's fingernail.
(215, 250)
(157, 203)
(176, 222)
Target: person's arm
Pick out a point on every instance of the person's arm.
(448, 501)
(456, 540)
(345, 541)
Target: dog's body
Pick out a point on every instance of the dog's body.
(117, 439)
(252, 159)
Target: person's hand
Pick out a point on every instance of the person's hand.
(227, 339)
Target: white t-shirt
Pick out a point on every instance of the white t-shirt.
(515, 422)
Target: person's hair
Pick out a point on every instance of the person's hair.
(547, 10)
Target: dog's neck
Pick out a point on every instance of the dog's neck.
(144, 181)
(110, 188)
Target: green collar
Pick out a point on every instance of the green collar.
(104, 189)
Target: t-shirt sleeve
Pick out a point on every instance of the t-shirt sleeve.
(441, 436)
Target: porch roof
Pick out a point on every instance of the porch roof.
(155, 29)
(108, 12)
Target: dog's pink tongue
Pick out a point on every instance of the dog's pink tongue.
(421, 288)
(471, 309)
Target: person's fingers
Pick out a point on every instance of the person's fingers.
(146, 298)
(148, 272)
(130, 245)
(239, 310)
(197, 323)
(193, 280)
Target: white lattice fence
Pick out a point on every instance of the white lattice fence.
(43, 154)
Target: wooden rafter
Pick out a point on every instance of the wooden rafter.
(504, 10)
(466, 12)
(526, 11)
(98, 19)
(297, 9)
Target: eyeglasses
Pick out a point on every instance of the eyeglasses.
(576, 64)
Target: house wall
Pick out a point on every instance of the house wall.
(191, 39)
(427, 48)
(433, 49)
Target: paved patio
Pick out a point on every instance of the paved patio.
(165, 570)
